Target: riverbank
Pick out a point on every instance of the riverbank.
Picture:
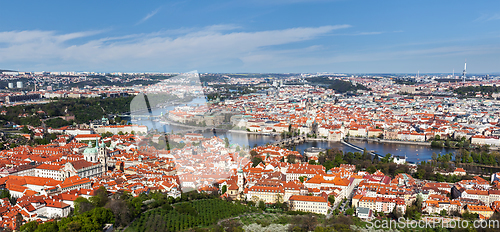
(404, 142)
(391, 141)
(323, 140)
(254, 133)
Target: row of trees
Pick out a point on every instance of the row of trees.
(93, 220)
(451, 144)
(425, 170)
(479, 157)
(472, 90)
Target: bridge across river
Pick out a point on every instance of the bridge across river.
(133, 116)
(194, 130)
(184, 129)
(360, 149)
(290, 141)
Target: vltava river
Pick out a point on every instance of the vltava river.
(414, 153)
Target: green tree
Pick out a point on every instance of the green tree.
(469, 216)
(224, 189)
(440, 178)
(29, 227)
(387, 158)
(397, 213)
(4, 194)
(100, 198)
(371, 169)
(122, 211)
(50, 226)
(253, 153)
(82, 205)
(279, 198)
(349, 211)
(186, 208)
(256, 160)
(107, 134)
(74, 226)
(443, 212)
(262, 205)
(331, 199)
(26, 130)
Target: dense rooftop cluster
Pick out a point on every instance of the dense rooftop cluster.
(43, 181)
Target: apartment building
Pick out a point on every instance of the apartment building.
(314, 204)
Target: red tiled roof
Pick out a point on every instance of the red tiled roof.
(307, 198)
(49, 167)
(79, 164)
(56, 204)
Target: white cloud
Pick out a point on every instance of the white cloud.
(216, 48)
(359, 61)
(36, 36)
(211, 46)
(487, 17)
(148, 16)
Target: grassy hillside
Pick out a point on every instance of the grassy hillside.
(186, 215)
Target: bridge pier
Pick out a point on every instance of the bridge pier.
(290, 141)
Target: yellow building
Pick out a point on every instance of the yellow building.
(484, 211)
(314, 204)
(266, 194)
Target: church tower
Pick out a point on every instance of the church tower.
(241, 180)
(102, 152)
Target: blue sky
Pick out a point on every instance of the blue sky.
(345, 36)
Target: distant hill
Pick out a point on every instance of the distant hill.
(5, 70)
(473, 90)
(337, 85)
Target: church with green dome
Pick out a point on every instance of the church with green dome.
(97, 154)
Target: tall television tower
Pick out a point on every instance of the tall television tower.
(465, 71)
